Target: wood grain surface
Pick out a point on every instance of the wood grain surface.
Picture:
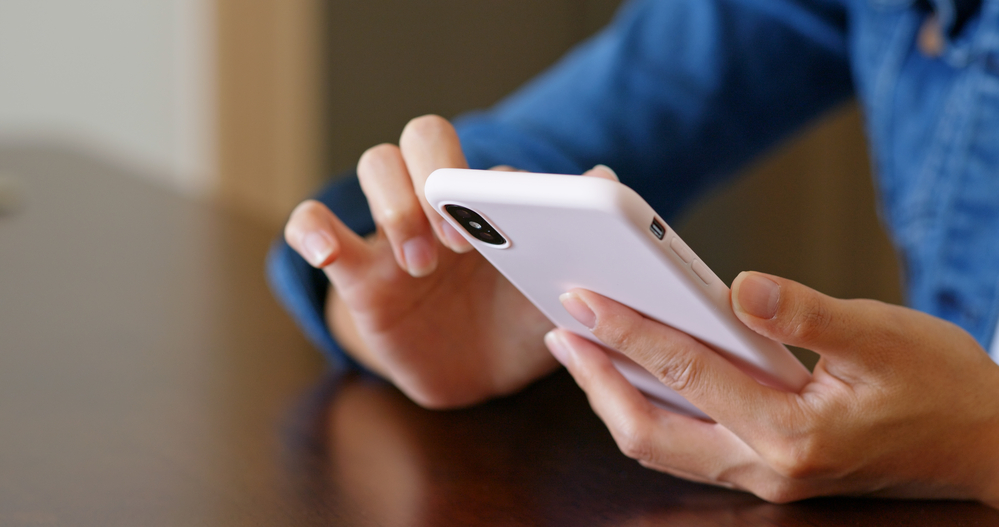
(148, 378)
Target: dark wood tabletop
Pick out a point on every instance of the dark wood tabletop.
(148, 378)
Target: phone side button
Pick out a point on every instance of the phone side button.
(681, 249)
(702, 272)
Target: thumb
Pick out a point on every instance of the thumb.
(794, 314)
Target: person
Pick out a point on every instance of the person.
(675, 95)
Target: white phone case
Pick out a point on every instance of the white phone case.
(564, 232)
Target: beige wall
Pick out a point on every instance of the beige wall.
(270, 118)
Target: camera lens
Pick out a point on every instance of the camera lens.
(475, 224)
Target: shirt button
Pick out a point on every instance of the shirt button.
(930, 40)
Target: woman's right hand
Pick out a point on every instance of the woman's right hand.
(413, 302)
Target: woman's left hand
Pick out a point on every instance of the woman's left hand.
(901, 404)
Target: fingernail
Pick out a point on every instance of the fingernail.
(609, 170)
(317, 248)
(419, 256)
(758, 296)
(453, 238)
(578, 309)
(557, 346)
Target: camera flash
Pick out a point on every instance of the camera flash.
(657, 228)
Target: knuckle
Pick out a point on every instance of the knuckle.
(431, 400)
(780, 491)
(399, 217)
(672, 362)
(635, 441)
(618, 331)
(426, 127)
(439, 394)
(375, 159)
(802, 459)
(680, 371)
(791, 466)
(617, 335)
(809, 321)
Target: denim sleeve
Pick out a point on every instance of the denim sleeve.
(674, 95)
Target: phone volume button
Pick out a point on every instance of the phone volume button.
(702, 272)
(681, 249)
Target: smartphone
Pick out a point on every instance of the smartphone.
(549, 233)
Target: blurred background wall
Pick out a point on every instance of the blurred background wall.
(391, 60)
(131, 81)
(255, 102)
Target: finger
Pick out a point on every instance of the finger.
(603, 172)
(789, 312)
(315, 233)
(682, 363)
(397, 210)
(504, 168)
(429, 143)
(663, 440)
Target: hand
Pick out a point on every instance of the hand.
(413, 302)
(901, 404)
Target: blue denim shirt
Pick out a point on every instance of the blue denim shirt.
(676, 95)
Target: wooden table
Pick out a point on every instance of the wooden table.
(148, 378)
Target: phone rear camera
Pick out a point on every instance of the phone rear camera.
(475, 224)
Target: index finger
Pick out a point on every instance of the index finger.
(429, 143)
(660, 439)
(681, 362)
